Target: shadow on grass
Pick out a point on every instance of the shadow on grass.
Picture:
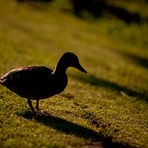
(63, 125)
(72, 129)
(135, 58)
(111, 85)
(141, 61)
(98, 7)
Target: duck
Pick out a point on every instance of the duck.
(40, 82)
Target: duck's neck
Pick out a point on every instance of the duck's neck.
(60, 68)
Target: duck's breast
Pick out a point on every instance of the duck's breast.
(29, 82)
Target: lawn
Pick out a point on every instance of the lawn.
(106, 107)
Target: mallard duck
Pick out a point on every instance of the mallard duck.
(39, 82)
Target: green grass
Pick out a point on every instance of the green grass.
(108, 106)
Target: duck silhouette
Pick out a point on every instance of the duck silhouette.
(39, 82)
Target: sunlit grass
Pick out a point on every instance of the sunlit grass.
(108, 104)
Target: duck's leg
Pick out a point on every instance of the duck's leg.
(38, 109)
(37, 105)
(30, 105)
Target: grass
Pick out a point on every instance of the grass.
(107, 107)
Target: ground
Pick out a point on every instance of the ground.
(106, 107)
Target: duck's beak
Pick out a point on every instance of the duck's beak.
(81, 68)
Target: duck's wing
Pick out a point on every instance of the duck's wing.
(25, 73)
(27, 80)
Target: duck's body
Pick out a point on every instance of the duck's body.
(40, 82)
(34, 82)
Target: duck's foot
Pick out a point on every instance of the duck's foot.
(40, 112)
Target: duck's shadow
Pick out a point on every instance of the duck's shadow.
(112, 86)
(62, 125)
(70, 128)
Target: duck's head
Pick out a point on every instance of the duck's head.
(71, 60)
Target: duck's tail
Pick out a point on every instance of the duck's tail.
(1, 80)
